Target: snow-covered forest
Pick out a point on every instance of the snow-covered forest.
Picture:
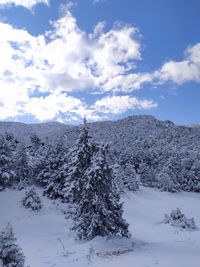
(141, 149)
(89, 186)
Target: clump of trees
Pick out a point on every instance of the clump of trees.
(31, 200)
(178, 219)
(142, 150)
(11, 254)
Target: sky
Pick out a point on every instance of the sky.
(99, 59)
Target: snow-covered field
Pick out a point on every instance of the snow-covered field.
(47, 241)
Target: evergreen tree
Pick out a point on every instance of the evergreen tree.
(167, 180)
(7, 175)
(36, 153)
(35, 143)
(80, 159)
(31, 200)
(10, 253)
(23, 170)
(46, 167)
(178, 219)
(126, 177)
(55, 171)
(99, 212)
(12, 140)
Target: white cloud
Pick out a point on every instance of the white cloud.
(61, 61)
(120, 104)
(25, 3)
(115, 52)
(57, 105)
(128, 82)
(66, 59)
(98, 1)
(50, 107)
(183, 71)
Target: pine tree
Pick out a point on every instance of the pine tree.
(23, 170)
(35, 143)
(178, 219)
(46, 167)
(55, 171)
(36, 153)
(99, 212)
(80, 159)
(10, 253)
(12, 140)
(126, 177)
(31, 200)
(7, 175)
(166, 180)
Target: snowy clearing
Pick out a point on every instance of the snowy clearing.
(46, 239)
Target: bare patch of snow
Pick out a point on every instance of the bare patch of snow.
(46, 239)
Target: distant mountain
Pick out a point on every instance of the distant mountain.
(23, 131)
(162, 154)
(193, 125)
(125, 135)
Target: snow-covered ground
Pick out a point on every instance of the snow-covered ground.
(47, 241)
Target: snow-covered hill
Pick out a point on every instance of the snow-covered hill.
(130, 127)
(46, 239)
(155, 149)
(126, 135)
(123, 134)
(23, 131)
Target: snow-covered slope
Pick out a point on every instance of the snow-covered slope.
(142, 125)
(23, 131)
(134, 131)
(163, 154)
(47, 241)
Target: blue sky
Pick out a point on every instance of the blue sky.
(102, 59)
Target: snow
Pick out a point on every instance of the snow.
(46, 239)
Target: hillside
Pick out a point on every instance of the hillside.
(123, 134)
(163, 154)
(47, 241)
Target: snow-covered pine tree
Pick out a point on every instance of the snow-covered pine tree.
(7, 175)
(80, 158)
(12, 140)
(36, 152)
(126, 177)
(178, 219)
(167, 180)
(195, 170)
(23, 170)
(31, 200)
(55, 171)
(99, 212)
(45, 173)
(10, 253)
(35, 143)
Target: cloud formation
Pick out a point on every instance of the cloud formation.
(183, 71)
(98, 1)
(119, 104)
(25, 3)
(41, 74)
